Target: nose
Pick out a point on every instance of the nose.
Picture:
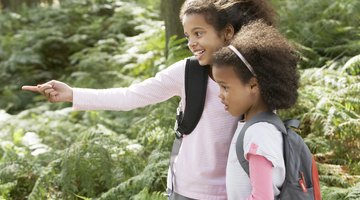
(191, 43)
(221, 96)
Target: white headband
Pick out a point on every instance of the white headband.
(242, 59)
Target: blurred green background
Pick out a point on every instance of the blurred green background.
(48, 151)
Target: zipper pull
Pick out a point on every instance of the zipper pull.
(302, 182)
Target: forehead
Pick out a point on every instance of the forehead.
(224, 74)
(192, 21)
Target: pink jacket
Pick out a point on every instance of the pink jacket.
(201, 164)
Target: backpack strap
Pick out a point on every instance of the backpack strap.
(292, 123)
(196, 78)
(261, 117)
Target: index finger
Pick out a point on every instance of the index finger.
(30, 88)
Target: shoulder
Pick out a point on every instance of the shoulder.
(173, 74)
(264, 139)
(262, 130)
(177, 67)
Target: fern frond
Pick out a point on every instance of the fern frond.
(146, 194)
(352, 66)
(45, 184)
(335, 193)
(353, 193)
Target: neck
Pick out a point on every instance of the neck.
(254, 110)
(210, 73)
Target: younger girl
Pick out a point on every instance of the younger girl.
(256, 73)
(199, 168)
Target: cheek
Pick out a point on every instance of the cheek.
(241, 97)
(246, 95)
(218, 44)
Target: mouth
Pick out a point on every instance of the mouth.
(226, 107)
(198, 53)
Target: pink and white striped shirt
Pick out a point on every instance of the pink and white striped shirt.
(201, 163)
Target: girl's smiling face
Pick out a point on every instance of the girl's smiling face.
(203, 39)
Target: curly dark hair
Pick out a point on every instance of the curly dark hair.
(273, 59)
(220, 13)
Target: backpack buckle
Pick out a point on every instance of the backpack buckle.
(179, 115)
(178, 134)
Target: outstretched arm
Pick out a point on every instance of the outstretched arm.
(54, 91)
(166, 84)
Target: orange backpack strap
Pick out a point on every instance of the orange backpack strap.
(315, 179)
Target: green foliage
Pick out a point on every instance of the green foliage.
(76, 42)
(65, 154)
(151, 4)
(323, 30)
(145, 194)
(87, 158)
(352, 193)
(153, 176)
(328, 107)
(177, 49)
(86, 168)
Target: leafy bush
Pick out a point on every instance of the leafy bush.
(76, 41)
(63, 154)
(323, 30)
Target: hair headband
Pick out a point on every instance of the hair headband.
(242, 59)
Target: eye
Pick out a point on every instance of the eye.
(198, 33)
(225, 88)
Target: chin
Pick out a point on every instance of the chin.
(204, 62)
(235, 114)
(232, 113)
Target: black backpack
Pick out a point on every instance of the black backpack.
(301, 178)
(196, 78)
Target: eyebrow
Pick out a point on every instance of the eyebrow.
(220, 82)
(194, 29)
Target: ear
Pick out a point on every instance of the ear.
(229, 33)
(254, 85)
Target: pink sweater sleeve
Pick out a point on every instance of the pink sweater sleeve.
(260, 170)
(166, 84)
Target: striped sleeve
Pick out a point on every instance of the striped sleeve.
(166, 84)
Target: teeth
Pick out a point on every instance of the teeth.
(196, 53)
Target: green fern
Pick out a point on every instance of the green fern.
(86, 169)
(329, 110)
(145, 195)
(325, 29)
(178, 50)
(153, 176)
(352, 67)
(6, 188)
(334, 193)
(46, 185)
(354, 193)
